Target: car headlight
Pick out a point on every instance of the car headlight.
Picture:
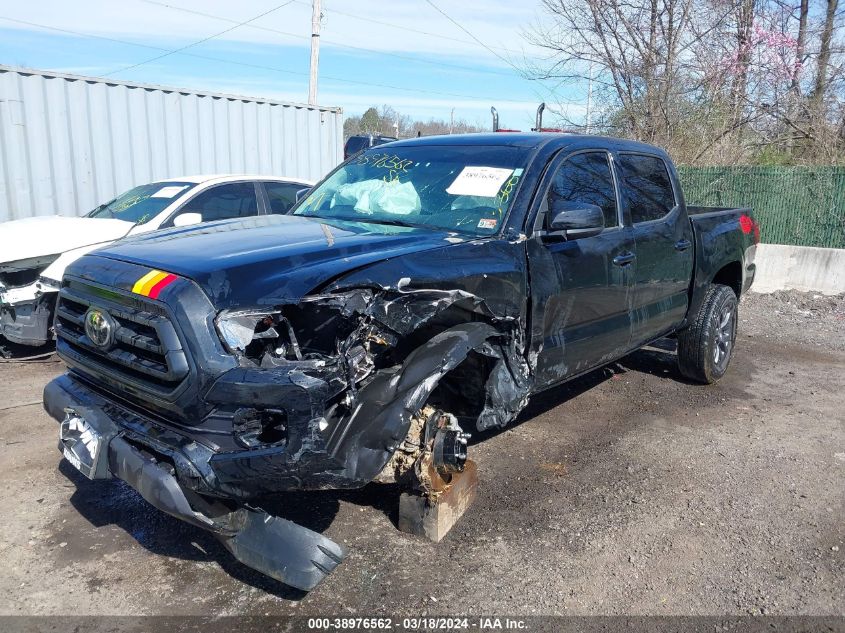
(321, 331)
(239, 329)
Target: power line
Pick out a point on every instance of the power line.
(256, 66)
(198, 42)
(325, 40)
(460, 26)
(480, 43)
(404, 28)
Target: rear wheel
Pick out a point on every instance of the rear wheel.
(706, 345)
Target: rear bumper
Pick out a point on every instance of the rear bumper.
(101, 449)
(750, 271)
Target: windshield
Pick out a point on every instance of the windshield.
(143, 203)
(463, 189)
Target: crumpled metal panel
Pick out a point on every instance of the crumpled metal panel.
(70, 143)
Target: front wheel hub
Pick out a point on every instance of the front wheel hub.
(449, 453)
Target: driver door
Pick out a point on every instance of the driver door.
(580, 288)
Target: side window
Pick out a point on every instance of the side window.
(586, 178)
(281, 195)
(234, 200)
(647, 187)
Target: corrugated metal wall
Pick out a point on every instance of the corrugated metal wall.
(800, 206)
(68, 144)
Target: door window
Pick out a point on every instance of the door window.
(647, 187)
(233, 200)
(282, 195)
(586, 178)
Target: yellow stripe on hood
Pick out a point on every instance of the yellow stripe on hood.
(145, 283)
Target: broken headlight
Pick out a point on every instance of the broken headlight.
(240, 329)
(309, 331)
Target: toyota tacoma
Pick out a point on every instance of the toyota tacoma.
(424, 289)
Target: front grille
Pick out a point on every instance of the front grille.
(146, 353)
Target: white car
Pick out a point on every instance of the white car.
(34, 252)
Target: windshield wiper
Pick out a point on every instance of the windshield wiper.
(369, 221)
(91, 214)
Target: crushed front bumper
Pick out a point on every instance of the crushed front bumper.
(101, 449)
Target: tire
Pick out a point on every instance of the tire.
(706, 345)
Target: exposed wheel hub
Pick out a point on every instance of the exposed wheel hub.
(449, 453)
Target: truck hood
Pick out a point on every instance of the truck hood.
(51, 235)
(268, 260)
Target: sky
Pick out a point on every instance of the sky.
(402, 53)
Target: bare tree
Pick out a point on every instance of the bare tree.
(638, 51)
(824, 52)
(714, 81)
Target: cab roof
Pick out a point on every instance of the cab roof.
(528, 140)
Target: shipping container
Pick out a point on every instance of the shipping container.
(70, 143)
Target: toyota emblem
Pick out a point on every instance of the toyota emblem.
(99, 327)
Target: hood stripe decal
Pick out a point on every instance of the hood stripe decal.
(151, 284)
(168, 279)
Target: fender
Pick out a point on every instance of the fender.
(381, 421)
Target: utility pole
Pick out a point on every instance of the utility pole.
(315, 51)
(589, 99)
(452, 121)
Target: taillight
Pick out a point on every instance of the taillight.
(748, 225)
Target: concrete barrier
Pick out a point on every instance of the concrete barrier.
(804, 268)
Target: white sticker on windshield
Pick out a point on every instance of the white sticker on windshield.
(169, 192)
(479, 181)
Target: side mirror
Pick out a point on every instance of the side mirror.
(187, 219)
(576, 219)
(302, 193)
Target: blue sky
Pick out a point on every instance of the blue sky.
(416, 60)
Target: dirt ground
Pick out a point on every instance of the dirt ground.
(627, 492)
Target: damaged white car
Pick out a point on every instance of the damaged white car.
(35, 251)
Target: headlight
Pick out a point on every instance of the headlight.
(239, 329)
(322, 333)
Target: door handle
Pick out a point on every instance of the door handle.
(682, 245)
(624, 259)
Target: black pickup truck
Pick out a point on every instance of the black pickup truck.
(425, 288)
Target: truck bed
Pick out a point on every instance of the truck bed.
(715, 210)
(720, 233)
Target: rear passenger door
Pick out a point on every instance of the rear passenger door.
(662, 244)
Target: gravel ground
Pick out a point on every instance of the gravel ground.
(800, 317)
(628, 491)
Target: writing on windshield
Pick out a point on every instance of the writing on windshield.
(143, 203)
(466, 189)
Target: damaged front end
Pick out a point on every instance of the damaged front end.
(26, 301)
(217, 410)
(337, 378)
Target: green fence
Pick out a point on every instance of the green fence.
(802, 206)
